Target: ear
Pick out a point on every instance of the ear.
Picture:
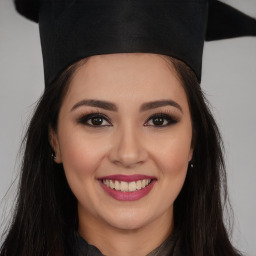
(54, 142)
(190, 156)
(193, 143)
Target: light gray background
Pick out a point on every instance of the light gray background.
(229, 81)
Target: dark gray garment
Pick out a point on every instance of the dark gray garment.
(170, 247)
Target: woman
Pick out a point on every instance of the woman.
(109, 123)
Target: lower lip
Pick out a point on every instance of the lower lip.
(128, 196)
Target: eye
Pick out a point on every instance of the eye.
(95, 120)
(160, 120)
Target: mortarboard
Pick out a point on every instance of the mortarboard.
(74, 29)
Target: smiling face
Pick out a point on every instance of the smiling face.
(124, 137)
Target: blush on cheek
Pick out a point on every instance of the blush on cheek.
(80, 164)
(80, 153)
(174, 160)
(174, 171)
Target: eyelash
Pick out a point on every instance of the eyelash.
(169, 120)
(85, 118)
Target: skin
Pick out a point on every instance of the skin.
(128, 143)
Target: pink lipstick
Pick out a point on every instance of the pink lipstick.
(127, 187)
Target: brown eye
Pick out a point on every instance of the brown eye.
(95, 120)
(160, 120)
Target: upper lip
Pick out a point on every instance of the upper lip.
(127, 178)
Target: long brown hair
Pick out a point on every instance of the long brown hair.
(45, 218)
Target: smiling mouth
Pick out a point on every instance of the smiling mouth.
(127, 187)
(124, 186)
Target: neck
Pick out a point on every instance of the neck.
(122, 242)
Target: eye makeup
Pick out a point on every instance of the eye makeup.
(96, 119)
(160, 120)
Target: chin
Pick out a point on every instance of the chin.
(129, 223)
(128, 219)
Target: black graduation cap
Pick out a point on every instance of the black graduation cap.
(74, 29)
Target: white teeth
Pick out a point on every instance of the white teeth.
(132, 186)
(117, 185)
(111, 184)
(138, 185)
(126, 186)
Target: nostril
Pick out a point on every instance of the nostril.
(128, 164)
(127, 152)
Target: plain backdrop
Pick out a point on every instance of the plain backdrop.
(229, 82)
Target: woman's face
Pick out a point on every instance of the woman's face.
(124, 123)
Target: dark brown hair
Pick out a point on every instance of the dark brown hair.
(45, 218)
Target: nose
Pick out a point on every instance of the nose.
(128, 148)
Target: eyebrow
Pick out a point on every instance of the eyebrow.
(96, 103)
(160, 103)
(112, 107)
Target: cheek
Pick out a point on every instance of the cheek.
(173, 165)
(172, 155)
(81, 154)
(172, 159)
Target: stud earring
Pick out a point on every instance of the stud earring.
(191, 164)
(53, 156)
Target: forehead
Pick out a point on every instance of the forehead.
(135, 76)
